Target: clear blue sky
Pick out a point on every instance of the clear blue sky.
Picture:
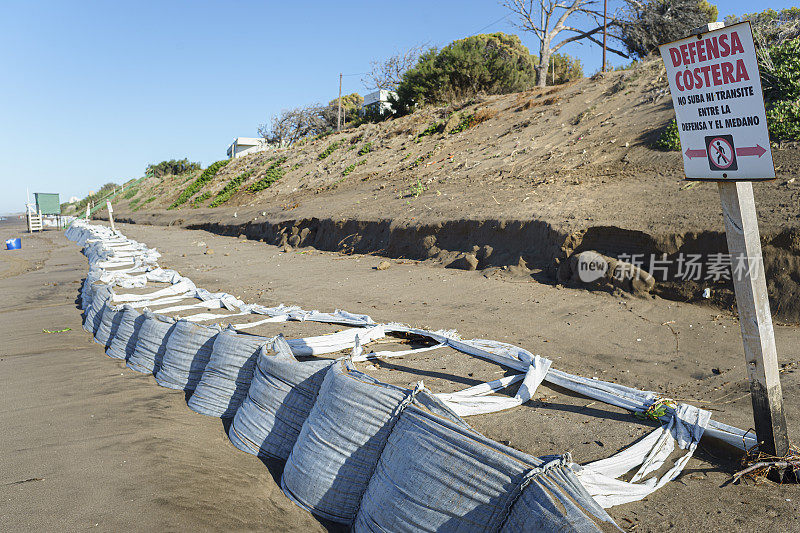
(92, 91)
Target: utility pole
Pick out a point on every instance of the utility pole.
(339, 112)
(605, 31)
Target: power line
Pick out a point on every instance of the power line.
(492, 24)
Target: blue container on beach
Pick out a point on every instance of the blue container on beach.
(13, 244)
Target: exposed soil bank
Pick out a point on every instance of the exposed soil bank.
(529, 248)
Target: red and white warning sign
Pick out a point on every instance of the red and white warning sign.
(716, 91)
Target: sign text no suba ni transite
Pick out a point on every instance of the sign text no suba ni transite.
(716, 91)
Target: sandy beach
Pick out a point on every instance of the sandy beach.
(88, 443)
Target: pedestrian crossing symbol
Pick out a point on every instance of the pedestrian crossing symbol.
(721, 153)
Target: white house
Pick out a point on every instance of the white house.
(246, 145)
(377, 102)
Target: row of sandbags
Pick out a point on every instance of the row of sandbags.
(357, 451)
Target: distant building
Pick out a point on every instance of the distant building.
(73, 199)
(246, 145)
(377, 102)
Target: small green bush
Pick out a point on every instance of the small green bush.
(436, 127)
(365, 149)
(352, 167)
(273, 174)
(130, 193)
(194, 187)
(669, 140)
(230, 188)
(142, 204)
(199, 199)
(464, 123)
(783, 121)
(329, 150)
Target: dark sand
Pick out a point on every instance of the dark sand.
(104, 446)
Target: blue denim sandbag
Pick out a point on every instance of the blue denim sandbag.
(555, 500)
(151, 342)
(341, 441)
(86, 289)
(227, 376)
(100, 293)
(281, 395)
(186, 355)
(439, 475)
(123, 342)
(109, 322)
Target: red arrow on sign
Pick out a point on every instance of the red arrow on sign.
(696, 153)
(751, 150)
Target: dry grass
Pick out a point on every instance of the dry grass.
(482, 115)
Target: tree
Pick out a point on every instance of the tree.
(564, 68)
(388, 74)
(351, 104)
(291, 125)
(649, 23)
(548, 18)
(494, 63)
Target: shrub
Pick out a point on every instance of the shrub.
(436, 127)
(780, 71)
(783, 121)
(771, 27)
(173, 166)
(352, 167)
(463, 124)
(199, 199)
(230, 188)
(563, 68)
(207, 175)
(649, 23)
(272, 174)
(470, 120)
(669, 140)
(130, 193)
(494, 63)
(329, 150)
(367, 148)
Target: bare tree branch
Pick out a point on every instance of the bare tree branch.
(291, 125)
(388, 74)
(552, 20)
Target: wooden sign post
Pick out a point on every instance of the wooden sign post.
(755, 319)
(110, 214)
(719, 107)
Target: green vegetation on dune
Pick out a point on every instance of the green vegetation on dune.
(367, 148)
(352, 167)
(273, 174)
(194, 187)
(329, 150)
(669, 140)
(130, 193)
(230, 188)
(199, 199)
